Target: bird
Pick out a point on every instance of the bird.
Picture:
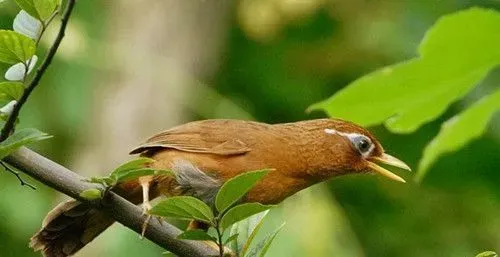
(204, 154)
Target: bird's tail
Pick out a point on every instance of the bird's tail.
(68, 227)
(72, 224)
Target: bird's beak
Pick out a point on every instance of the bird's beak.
(389, 160)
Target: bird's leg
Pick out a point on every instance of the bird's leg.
(145, 182)
(194, 224)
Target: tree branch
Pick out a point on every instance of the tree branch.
(11, 121)
(62, 179)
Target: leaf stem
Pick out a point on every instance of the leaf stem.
(219, 238)
(9, 125)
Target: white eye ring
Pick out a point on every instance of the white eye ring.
(356, 139)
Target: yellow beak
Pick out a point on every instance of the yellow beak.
(389, 160)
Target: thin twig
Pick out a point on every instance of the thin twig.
(9, 125)
(46, 23)
(21, 180)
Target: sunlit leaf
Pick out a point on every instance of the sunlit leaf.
(247, 230)
(262, 247)
(411, 93)
(18, 71)
(91, 194)
(7, 109)
(241, 212)
(231, 238)
(15, 47)
(487, 254)
(196, 234)
(184, 207)
(11, 90)
(459, 130)
(27, 25)
(20, 138)
(168, 254)
(235, 188)
(40, 9)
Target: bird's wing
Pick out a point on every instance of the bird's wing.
(197, 137)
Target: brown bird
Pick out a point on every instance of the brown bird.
(204, 154)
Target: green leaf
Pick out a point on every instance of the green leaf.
(409, 94)
(196, 234)
(133, 174)
(105, 181)
(131, 165)
(235, 188)
(263, 246)
(40, 9)
(247, 230)
(184, 207)
(231, 238)
(130, 170)
(487, 254)
(168, 254)
(15, 47)
(241, 212)
(91, 194)
(459, 130)
(133, 169)
(136, 173)
(20, 138)
(11, 90)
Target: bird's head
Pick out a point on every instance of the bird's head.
(353, 149)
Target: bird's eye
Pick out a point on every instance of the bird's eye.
(363, 144)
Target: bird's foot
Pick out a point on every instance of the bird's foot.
(146, 207)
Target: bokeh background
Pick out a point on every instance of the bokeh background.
(128, 69)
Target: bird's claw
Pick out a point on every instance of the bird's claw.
(146, 207)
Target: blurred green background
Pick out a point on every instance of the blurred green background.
(128, 69)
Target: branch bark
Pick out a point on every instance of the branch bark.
(64, 180)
